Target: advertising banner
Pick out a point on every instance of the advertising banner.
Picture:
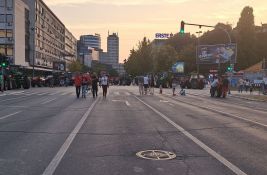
(215, 54)
(178, 67)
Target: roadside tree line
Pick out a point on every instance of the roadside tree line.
(251, 46)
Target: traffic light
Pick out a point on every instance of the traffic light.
(229, 68)
(4, 61)
(182, 27)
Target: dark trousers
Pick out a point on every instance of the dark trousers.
(94, 91)
(105, 89)
(78, 91)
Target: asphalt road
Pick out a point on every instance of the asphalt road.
(49, 131)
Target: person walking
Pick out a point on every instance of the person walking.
(225, 86)
(174, 84)
(105, 85)
(152, 84)
(78, 82)
(84, 86)
(146, 84)
(94, 85)
(141, 85)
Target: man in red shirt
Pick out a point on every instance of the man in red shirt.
(78, 83)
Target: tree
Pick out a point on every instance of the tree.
(246, 39)
(75, 66)
(164, 57)
(140, 60)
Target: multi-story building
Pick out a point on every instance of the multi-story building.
(113, 49)
(93, 41)
(70, 54)
(14, 31)
(32, 36)
(47, 35)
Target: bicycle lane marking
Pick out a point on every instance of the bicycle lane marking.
(50, 169)
(214, 154)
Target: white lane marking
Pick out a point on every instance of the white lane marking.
(12, 99)
(116, 93)
(32, 93)
(164, 101)
(2, 95)
(55, 93)
(127, 103)
(127, 93)
(65, 93)
(45, 102)
(171, 104)
(214, 154)
(50, 169)
(42, 93)
(10, 115)
(14, 93)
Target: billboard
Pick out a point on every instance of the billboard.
(178, 67)
(215, 54)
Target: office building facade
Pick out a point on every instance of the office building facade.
(14, 31)
(93, 41)
(33, 37)
(113, 49)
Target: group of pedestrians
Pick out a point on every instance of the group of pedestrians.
(83, 82)
(244, 85)
(146, 84)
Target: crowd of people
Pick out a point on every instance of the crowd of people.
(86, 82)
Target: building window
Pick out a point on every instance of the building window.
(2, 18)
(9, 3)
(2, 3)
(9, 51)
(2, 49)
(9, 33)
(9, 18)
(2, 33)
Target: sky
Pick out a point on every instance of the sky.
(135, 19)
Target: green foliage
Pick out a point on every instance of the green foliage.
(246, 39)
(140, 60)
(163, 58)
(75, 66)
(251, 47)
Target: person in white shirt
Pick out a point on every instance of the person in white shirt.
(146, 81)
(104, 83)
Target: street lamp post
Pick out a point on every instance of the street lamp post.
(33, 51)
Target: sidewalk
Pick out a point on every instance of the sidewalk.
(255, 96)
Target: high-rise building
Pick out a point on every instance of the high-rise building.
(33, 37)
(93, 41)
(113, 49)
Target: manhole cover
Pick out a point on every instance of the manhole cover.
(156, 155)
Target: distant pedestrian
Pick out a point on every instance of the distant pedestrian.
(94, 85)
(152, 84)
(174, 84)
(240, 85)
(225, 86)
(84, 86)
(146, 84)
(105, 85)
(78, 83)
(141, 85)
